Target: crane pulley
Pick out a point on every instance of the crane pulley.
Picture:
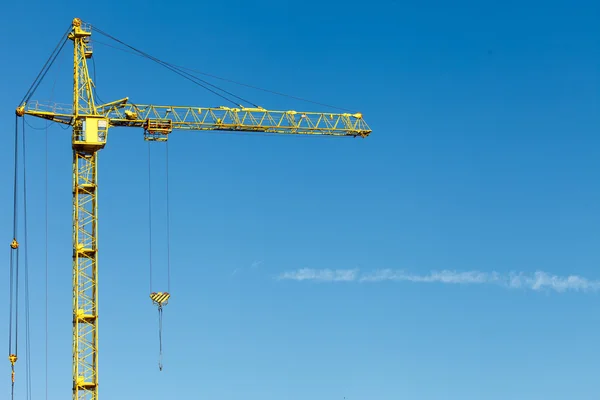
(91, 121)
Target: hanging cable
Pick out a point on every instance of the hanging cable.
(159, 299)
(98, 99)
(160, 313)
(36, 83)
(46, 264)
(26, 259)
(264, 90)
(168, 224)
(150, 212)
(14, 272)
(232, 81)
(46, 247)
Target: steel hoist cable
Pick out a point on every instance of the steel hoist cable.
(38, 79)
(150, 212)
(13, 348)
(46, 152)
(26, 278)
(14, 272)
(160, 299)
(229, 80)
(168, 223)
(160, 313)
(46, 265)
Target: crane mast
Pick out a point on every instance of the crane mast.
(90, 123)
(89, 136)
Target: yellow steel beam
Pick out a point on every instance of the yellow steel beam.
(241, 119)
(85, 274)
(120, 113)
(85, 219)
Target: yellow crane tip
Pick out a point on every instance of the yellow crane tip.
(76, 22)
(20, 111)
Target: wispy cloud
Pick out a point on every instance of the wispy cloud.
(537, 281)
(322, 275)
(254, 266)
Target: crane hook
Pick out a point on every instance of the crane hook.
(13, 359)
(160, 299)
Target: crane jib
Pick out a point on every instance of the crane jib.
(159, 121)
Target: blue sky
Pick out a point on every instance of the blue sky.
(451, 255)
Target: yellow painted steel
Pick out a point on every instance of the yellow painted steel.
(159, 121)
(160, 298)
(90, 124)
(89, 136)
(85, 275)
(13, 359)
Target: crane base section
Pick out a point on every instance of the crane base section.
(160, 298)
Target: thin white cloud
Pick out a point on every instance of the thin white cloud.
(253, 266)
(321, 275)
(537, 281)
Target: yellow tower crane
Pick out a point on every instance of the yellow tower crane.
(91, 122)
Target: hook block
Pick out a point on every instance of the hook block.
(160, 298)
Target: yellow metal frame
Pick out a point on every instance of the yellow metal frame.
(85, 275)
(90, 124)
(122, 113)
(85, 144)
